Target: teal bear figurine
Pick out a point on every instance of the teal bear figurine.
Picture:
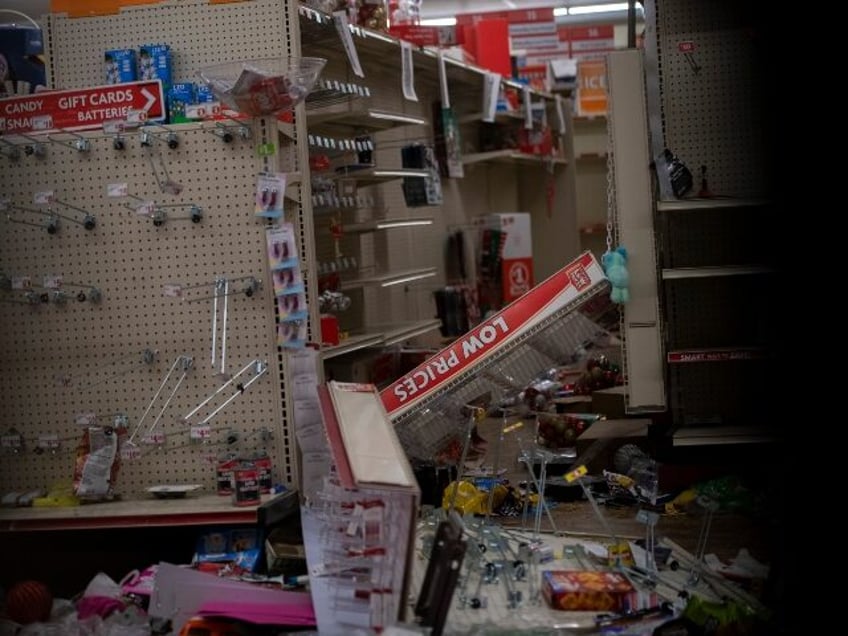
(615, 267)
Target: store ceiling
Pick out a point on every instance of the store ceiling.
(429, 8)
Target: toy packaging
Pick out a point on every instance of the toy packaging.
(120, 66)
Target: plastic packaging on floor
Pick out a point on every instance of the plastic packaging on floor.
(100, 611)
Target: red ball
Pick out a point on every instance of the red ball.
(29, 602)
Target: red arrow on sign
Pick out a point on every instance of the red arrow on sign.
(82, 109)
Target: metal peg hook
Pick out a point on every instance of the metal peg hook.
(36, 148)
(94, 295)
(160, 215)
(80, 143)
(251, 285)
(258, 367)
(149, 134)
(182, 363)
(89, 221)
(10, 150)
(164, 182)
(225, 131)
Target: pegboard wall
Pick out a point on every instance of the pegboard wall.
(198, 33)
(64, 360)
(713, 85)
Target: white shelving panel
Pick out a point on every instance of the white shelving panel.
(642, 322)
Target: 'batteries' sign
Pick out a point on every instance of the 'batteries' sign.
(82, 109)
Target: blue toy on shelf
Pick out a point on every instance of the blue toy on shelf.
(615, 267)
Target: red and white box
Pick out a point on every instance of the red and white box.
(517, 254)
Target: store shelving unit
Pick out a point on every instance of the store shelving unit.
(409, 254)
(718, 274)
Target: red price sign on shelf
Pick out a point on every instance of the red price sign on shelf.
(84, 108)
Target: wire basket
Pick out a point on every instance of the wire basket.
(263, 86)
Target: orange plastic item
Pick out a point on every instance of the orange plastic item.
(199, 626)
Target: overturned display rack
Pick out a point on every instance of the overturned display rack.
(557, 322)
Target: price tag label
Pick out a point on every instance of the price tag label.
(60, 379)
(154, 439)
(21, 282)
(343, 29)
(43, 197)
(407, 71)
(49, 441)
(172, 291)
(145, 208)
(130, 452)
(560, 114)
(85, 419)
(12, 441)
(200, 432)
(114, 126)
(491, 92)
(115, 190)
(443, 81)
(266, 150)
(203, 111)
(52, 281)
(136, 116)
(42, 122)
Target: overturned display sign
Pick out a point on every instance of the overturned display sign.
(541, 329)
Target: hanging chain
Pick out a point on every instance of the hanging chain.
(612, 205)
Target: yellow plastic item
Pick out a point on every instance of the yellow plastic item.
(60, 495)
(469, 498)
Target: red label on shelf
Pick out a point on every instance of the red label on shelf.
(715, 355)
(686, 47)
(81, 109)
(542, 14)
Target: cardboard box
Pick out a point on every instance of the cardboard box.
(517, 252)
(592, 591)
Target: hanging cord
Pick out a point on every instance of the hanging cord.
(612, 206)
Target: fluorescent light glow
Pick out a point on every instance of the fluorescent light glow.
(409, 172)
(598, 8)
(384, 225)
(560, 11)
(439, 22)
(407, 279)
(410, 119)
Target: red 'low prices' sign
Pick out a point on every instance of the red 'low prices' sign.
(83, 108)
(543, 300)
